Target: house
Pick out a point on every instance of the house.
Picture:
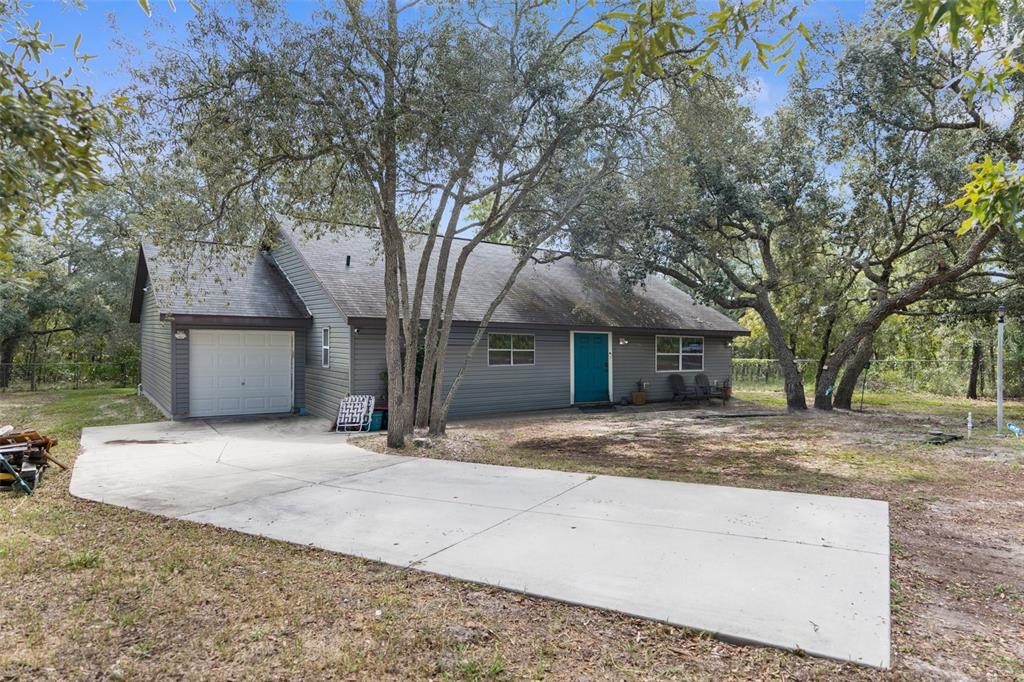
(302, 325)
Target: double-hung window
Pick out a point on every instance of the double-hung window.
(510, 349)
(325, 347)
(679, 353)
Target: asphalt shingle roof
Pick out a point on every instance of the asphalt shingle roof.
(563, 292)
(213, 283)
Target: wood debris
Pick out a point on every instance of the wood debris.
(25, 455)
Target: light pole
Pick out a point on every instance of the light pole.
(1001, 322)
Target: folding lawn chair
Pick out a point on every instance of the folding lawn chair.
(355, 412)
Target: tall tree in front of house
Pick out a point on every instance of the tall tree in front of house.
(395, 118)
(736, 212)
(903, 130)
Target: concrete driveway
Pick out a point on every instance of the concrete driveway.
(802, 572)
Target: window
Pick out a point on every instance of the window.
(510, 349)
(325, 347)
(679, 353)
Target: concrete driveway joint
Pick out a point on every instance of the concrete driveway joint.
(796, 571)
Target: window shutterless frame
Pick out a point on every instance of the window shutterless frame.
(681, 352)
(511, 350)
(325, 347)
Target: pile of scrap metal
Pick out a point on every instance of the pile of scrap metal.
(24, 456)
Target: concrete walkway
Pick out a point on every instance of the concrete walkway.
(803, 572)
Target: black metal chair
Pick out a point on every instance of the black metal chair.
(681, 391)
(707, 391)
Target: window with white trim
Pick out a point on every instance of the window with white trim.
(325, 347)
(510, 349)
(678, 353)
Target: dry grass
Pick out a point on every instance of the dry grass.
(97, 592)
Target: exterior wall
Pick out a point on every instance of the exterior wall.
(635, 362)
(155, 354)
(180, 368)
(543, 385)
(324, 387)
(484, 390)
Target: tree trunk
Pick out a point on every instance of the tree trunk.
(881, 311)
(794, 381)
(843, 398)
(441, 400)
(432, 338)
(400, 417)
(7, 348)
(972, 385)
(826, 345)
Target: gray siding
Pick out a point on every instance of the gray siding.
(484, 390)
(180, 369)
(323, 387)
(544, 385)
(635, 362)
(155, 353)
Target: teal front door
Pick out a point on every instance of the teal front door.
(590, 368)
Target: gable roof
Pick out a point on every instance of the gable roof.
(209, 283)
(563, 293)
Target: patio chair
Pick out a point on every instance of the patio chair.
(707, 391)
(355, 413)
(681, 391)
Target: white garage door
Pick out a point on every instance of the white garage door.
(239, 372)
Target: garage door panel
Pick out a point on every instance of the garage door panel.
(227, 361)
(229, 405)
(278, 364)
(233, 372)
(255, 383)
(278, 383)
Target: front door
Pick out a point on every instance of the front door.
(590, 368)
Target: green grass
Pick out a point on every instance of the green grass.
(901, 402)
(63, 414)
(85, 559)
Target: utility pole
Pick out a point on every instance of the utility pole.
(1001, 323)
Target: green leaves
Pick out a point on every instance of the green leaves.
(994, 193)
(975, 17)
(993, 196)
(660, 30)
(48, 130)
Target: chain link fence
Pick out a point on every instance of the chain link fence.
(38, 376)
(940, 376)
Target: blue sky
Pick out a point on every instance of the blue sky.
(107, 25)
